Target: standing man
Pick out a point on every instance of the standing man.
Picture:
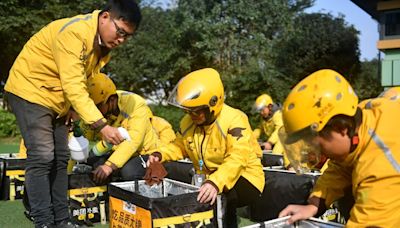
(47, 82)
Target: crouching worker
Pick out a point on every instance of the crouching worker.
(218, 140)
(321, 115)
(126, 110)
(270, 123)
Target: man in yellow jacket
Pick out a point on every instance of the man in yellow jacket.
(47, 80)
(321, 116)
(218, 140)
(271, 121)
(130, 111)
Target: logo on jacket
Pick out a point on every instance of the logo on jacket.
(236, 132)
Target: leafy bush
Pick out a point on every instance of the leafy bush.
(8, 124)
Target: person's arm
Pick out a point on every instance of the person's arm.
(257, 133)
(299, 212)
(332, 183)
(68, 51)
(329, 187)
(138, 126)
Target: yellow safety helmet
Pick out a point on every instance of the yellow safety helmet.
(198, 90)
(262, 101)
(316, 99)
(100, 88)
(391, 93)
(307, 109)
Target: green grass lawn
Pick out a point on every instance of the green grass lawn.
(9, 145)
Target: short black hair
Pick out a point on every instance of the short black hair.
(126, 10)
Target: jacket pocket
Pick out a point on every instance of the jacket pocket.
(52, 85)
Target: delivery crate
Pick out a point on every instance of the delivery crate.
(271, 160)
(88, 203)
(282, 188)
(170, 203)
(308, 223)
(12, 177)
(181, 170)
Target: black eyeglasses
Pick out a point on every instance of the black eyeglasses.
(196, 111)
(120, 32)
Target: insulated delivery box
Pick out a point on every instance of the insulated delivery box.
(281, 189)
(88, 202)
(168, 204)
(284, 187)
(12, 177)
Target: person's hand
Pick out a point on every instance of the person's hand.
(267, 146)
(101, 173)
(111, 135)
(152, 159)
(298, 212)
(207, 193)
(71, 117)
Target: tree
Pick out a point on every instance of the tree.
(367, 84)
(319, 41)
(148, 61)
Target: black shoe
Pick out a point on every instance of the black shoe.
(68, 224)
(28, 215)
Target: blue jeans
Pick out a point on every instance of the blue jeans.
(46, 140)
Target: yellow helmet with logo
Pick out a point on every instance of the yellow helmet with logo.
(316, 99)
(198, 90)
(391, 93)
(307, 109)
(100, 88)
(262, 101)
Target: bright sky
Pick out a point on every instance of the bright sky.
(354, 15)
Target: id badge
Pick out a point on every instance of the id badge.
(198, 179)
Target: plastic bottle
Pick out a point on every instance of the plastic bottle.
(102, 147)
(78, 144)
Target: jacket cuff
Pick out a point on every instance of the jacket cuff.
(212, 183)
(157, 154)
(110, 164)
(98, 125)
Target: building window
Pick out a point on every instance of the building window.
(392, 23)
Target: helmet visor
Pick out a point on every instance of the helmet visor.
(303, 152)
(257, 108)
(180, 99)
